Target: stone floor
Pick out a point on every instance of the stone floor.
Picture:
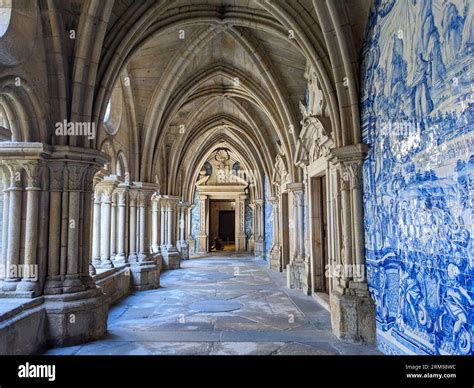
(218, 305)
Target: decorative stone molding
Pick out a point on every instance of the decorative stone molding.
(169, 222)
(314, 141)
(352, 308)
(280, 174)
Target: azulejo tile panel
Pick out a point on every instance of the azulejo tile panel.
(417, 117)
(268, 220)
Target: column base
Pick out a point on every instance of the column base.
(353, 314)
(26, 285)
(13, 288)
(76, 318)
(132, 258)
(251, 245)
(120, 260)
(191, 246)
(73, 284)
(92, 270)
(145, 275)
(10, 285)
(203, 244)
(183, 249)
(145, 257)
(307, 285)
(53, 285)
(171, 258)
(240, 244)
(260, 249)
(295, 273)
(88, 282)
(275, 259)
(104, 264)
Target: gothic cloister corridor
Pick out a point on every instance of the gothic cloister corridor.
(207, 177)
(221, 304)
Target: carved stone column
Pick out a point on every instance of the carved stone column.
(171, 255)
(105, 226)
(53, 283)
(72, 281)
(352, 308)
(183, 245)
(144, 202)
(5, 218)
(275, 251)
(145, 270)
(113, 227)
(11, 280)
(87, 270)
(296, 267)
(121, 258)
(49, 231)
(203, 238)
(259, 229)
(132, 256)
(96, 230)
(155, 221)
(33, 188)
(240, 243)
(163, 221)
(188, 231)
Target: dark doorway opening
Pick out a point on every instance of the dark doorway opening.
(222, 225)
(227, 226)
(320, 234)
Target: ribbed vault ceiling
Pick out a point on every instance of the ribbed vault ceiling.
(214, 71)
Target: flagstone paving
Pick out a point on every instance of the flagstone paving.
(224, 304)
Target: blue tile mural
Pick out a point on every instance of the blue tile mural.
(248, 220)
(268, 222)
(195, 219)
(417, 117)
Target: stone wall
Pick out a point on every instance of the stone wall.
(418, 121)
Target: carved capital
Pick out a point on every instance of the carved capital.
(15, 170)
(351, 175)
(133, 195)
(56, 180)
(121, 197)
(33, 174)
(75, 177)
(144, 198)
(97, 197)
(106, 194)
(89, 178)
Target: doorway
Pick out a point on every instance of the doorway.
(222, 225)
(319, 235)
(227, 226)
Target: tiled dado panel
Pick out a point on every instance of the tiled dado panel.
(417, 117)
(268, 220)
(195, 219)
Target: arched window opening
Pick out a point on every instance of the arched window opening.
(5, 16)
(113, 111)
(107, 111)
(5, 131)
